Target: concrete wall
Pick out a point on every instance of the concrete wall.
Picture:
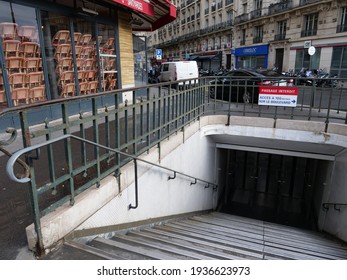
(333, 221)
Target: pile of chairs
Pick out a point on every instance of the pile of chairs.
(23, 63)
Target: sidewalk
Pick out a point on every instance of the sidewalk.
(15, 214)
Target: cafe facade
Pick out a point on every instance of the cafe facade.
(60, 49)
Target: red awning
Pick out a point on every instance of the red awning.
(149, 15)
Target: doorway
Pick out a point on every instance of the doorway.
(270, 187)
(279, 59)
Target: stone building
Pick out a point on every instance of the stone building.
(258, 33)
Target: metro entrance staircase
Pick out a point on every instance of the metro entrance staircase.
(207, 236)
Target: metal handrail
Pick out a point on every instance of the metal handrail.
(16, 155)
(326, 205)
(37, 223)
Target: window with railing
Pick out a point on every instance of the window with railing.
(282, 6)
(281, 30)
(310, 25)
(213, 7)
(243, 37)
(255, 14)
(258, 34)
(342, 27)
(258, 4)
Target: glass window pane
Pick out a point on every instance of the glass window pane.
(86, 57)
(336, 58)
(299, 60)
(306, 59)
(23, 64)
(315, 59)
(344, 58)
(58, 54)
(108, 58)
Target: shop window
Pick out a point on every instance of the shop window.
(57, 40)
(20, 43)
(339, 62)
(86, 56)
(306, 61)
(108, 57)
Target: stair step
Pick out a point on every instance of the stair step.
(93, 250)
(184, 244)
(209, 245)
(136, 250)
(182, 253)
(216, 237)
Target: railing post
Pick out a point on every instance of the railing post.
(33, 188)
(136, 188)
(328, 111)
(68, 152)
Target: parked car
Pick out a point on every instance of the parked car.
(243, 85)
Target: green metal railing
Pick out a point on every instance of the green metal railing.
(115, 133)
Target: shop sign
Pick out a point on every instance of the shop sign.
(138, 5)
(307, 44)
(251, 51)
(278, 96)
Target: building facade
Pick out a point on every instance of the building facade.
(258, 33)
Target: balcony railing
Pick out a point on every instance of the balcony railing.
(255, 14)
(280, 7)
(280, 37)
(241, 18)
(243, 42)
(341, 28)
(305, 2)
(307, 33)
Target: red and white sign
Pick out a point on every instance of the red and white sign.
(138, 5)
(278, 96)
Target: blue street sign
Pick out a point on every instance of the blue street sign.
(159, 54)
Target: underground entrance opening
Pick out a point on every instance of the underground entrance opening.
(272, 185)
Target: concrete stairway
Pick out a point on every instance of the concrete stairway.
(210, 236)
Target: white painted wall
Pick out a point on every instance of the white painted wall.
(159, 197)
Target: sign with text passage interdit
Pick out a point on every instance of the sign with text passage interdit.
(278, 96)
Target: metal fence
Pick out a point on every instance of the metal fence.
(61, 170)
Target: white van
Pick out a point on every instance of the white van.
(178, 70)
